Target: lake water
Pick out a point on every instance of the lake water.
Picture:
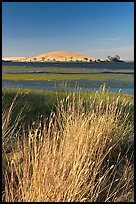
(102, 65)
(117, 68)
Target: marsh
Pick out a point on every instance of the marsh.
(51, 76)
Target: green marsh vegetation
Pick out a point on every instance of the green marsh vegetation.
(58, 77)
(85, 77)
(38, 102)
(82, 150)
(62, 70)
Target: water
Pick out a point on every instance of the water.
(45, 72)
(118, 68)
(86, 65)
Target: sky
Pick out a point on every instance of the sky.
(94, 29)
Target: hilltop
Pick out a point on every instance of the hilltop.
(52, 56)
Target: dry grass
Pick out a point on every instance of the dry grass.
(77, 157)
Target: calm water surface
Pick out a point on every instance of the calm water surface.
(88, 65)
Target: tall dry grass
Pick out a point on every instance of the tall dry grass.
(77, 157)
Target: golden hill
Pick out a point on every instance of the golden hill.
(62, 56)
(55, 56)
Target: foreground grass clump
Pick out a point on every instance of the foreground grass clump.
(83, 154)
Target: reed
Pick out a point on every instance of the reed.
(81, 155)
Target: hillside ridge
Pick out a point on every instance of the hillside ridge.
(61, 56)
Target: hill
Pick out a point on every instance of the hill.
(54, 56)
(13, 58)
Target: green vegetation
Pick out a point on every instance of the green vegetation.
(57, 77)
(63, 70)
(36, 103)
(81, 150)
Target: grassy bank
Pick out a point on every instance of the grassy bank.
(51, 69)
(57, 70)
(58, 77)
(36, 103)
(81, 151)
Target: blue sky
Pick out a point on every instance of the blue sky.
(95, 29)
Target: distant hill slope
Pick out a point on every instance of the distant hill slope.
(13, 58)
(55, 56)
